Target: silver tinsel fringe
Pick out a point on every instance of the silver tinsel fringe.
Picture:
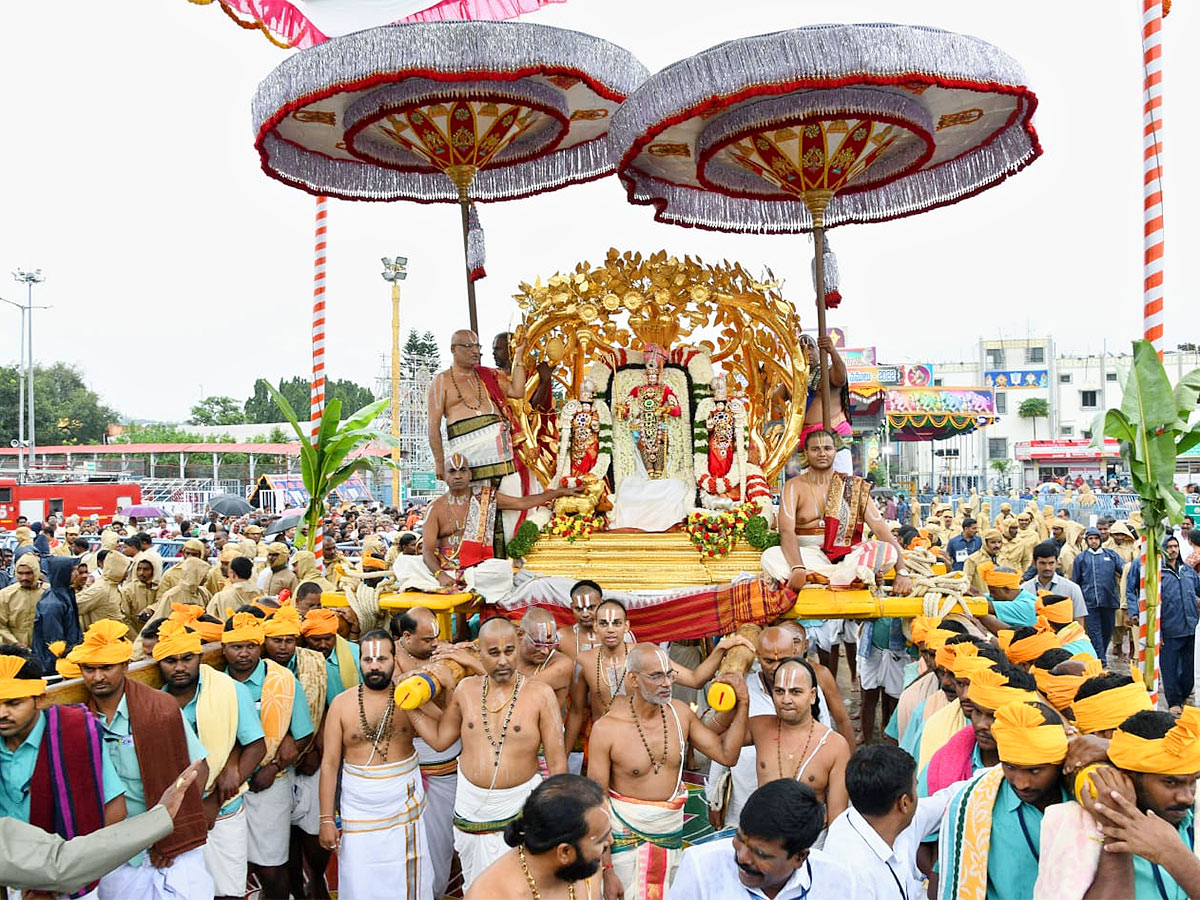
(827, 53)
(413, 91)
(459, 48)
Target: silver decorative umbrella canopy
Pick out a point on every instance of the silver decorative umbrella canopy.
(444, 112)
(806, 129)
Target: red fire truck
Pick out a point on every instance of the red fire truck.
(37, 499)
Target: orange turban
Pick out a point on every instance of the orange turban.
(992, 578)
(188, 614)
(62, 666)
(1175, 753)
(175, 640)
(105, 643)
(1060, 689)
(1055, 607)
(921, 626)
(319, 622)
(373, 563)
(282, 622)
(989, 690)
(1024, 738)
(1108, 709)
(1029, 648)
(14, 688)
(935, 638)
(246, 628)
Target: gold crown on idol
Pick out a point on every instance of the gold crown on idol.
(661, 329)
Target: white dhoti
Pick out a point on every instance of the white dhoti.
(647, 842)
(306, 802)
(269, 822)
(186, 878)
(492, 578)
(480, 816)
(651, 504)
(864, 563)
(383, 849)
(439, 771)
(225, 853)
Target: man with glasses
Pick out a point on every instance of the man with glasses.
(473, 400)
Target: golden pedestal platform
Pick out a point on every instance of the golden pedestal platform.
(639, 561)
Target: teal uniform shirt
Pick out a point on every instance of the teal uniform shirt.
(119, 742)
(16, 773)
(334, 671)
(1020, 611)
(1014, 851)
(249, 729)
(1082, 645)
(1146, 886)
(910, 741)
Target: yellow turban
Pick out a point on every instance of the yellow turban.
(1055, 607)
(921, 626)
(947, 653)
(246, 628)
(992, 578)
(175, 640)
(1060, 689)
(282, 622)
(1108, 709)
(989, 690)
(1029, 648)
(1024, 738)
(319, 622)
(1175, 753)
(104, 644)
(63, 667)
(14, 688)
(188, 615)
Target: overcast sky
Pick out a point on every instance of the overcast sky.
(176, 269)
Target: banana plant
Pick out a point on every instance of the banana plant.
(1153, 427)
(326, 464)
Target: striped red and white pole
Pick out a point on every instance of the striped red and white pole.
(317, 405)
(1152, 272)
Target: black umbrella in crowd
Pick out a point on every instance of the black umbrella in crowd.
(229, 505)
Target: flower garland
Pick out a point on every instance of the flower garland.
(714, 489)
(717, 534)
(574, 527)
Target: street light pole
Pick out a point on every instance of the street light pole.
(20, 393)
(394, 271)
(30, 279)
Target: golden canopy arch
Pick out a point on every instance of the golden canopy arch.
(631, 301)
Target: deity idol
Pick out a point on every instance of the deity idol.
(647, 408)
(725, 473)
(584, 452)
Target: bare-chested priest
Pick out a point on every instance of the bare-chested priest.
(601, 671)
(461, 544)
(370, 740)
(586, 597)
(502, 718)
(538, 656)
(636, 753)
(822, 515)
(793, 743)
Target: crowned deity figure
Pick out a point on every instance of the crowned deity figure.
(585, 452)
(725, 472)
(647, 408)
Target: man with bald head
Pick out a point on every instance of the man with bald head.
(537, 653)
(473, 400)
(636, 753)
(775, 644)
(502, 718)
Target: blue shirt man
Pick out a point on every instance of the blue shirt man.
(1097, 571)
(963, 545)
(1178, 615)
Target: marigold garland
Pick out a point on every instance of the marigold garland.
(716, 535)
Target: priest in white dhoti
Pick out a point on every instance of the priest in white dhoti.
(462, 545)
(382, 848)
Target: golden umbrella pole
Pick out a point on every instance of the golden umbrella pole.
(462, 176)
(817, 201)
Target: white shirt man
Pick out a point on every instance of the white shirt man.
(1062, 586)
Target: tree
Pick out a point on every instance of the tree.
(419, 351)
(260, 408)
(326, 464)
(1002, 467)
(1153, 428)
(66, 411)
(217, 411)
(1034, 408)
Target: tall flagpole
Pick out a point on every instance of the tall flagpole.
(1152, 310)
(317, 404)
